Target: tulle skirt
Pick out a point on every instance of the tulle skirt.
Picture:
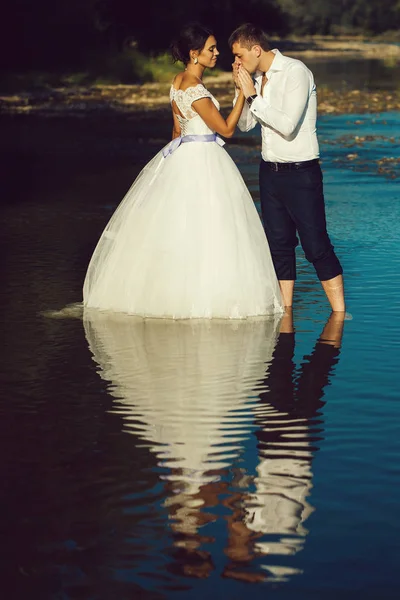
(185, 242)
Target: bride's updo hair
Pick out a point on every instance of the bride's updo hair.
(193, 36)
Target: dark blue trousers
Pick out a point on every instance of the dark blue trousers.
(292, 204)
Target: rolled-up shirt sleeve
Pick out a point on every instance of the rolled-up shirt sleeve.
(246, 120)
(296, 93)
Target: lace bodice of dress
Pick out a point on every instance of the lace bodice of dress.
(191, 123)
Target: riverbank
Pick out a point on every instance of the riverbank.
(342, 46)
(150, 97)
(80, 100)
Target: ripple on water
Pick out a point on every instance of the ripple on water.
(186, 390)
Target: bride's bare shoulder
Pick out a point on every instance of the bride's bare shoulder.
(184, 80)
(177, 80)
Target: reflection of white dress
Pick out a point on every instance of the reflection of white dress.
(184, 386)
(186, 241)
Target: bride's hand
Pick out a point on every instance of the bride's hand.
(235, 75)
(246, 83)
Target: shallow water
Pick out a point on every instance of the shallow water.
(163, 460)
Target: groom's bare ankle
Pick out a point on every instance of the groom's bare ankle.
(287, 288)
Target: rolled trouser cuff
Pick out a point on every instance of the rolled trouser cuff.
(327, 266)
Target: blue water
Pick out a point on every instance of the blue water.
(186, 460)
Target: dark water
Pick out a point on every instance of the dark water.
(192, 460)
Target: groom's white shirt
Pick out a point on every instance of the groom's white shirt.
(287, 111)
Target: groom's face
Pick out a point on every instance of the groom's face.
(248, 59)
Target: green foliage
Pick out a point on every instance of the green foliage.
(112, 39)
(162, 67)
(128, 66)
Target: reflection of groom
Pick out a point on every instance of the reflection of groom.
(287, 434)
(288, 425)
(299, 392)
(283, 100)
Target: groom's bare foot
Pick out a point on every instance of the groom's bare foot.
(334, 291)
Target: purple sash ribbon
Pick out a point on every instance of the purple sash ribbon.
(176, 142)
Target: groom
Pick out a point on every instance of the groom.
(283, 100)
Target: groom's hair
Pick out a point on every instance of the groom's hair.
(249, 35)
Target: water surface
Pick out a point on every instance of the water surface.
(162, 460)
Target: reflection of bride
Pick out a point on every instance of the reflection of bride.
(184, 386)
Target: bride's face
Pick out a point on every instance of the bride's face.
(208, 55)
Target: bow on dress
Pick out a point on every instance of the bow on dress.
(176, 142)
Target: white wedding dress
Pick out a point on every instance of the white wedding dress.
(186, 241)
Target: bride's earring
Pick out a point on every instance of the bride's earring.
(195, 60)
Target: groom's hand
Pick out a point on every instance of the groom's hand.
(246, 82)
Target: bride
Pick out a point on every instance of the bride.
(187, 241)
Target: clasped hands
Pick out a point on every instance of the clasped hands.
(242, 80)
